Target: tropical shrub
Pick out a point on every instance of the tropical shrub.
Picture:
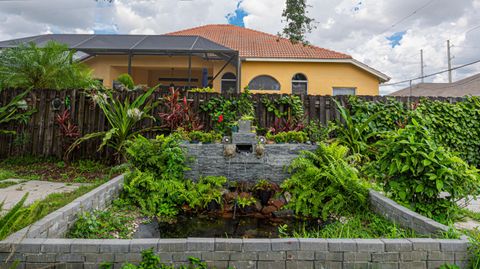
(127, 81)
(157, 184)
(355, 135)
(415, 171)
(325, 183)
(14, 111)
(49, 67)
(124, 118)
(178, 114)
(162, 156)
(317, 132)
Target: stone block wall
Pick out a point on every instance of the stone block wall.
(243, 253)
(209, 160)
(403, 216)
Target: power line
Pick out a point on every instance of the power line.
(431, 75)
(408, 16)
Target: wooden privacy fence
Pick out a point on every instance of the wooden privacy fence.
(41, 136)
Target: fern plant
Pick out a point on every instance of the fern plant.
(324, 182)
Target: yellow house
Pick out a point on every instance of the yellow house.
(225, 57)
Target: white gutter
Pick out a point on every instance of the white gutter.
(382, 76)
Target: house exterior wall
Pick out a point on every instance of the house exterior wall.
(322, 77)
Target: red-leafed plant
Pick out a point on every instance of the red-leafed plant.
(68, 129)
(179, 114)
(286, 125)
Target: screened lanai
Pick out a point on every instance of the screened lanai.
(180, 61)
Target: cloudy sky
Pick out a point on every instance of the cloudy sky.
(385, 34)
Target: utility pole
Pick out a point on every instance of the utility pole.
(449, 62)
(421, 64)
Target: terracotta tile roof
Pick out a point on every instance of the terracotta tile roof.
(256, 44)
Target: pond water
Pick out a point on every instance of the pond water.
(214, 226)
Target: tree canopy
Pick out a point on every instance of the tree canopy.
(298, 24)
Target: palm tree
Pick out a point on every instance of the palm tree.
(49, 67)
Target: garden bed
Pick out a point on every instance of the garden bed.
(42, 245)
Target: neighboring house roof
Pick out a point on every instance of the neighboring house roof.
(259, 46)
(466, 86)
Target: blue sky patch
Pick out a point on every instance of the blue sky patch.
(236, 18)
(395, 38)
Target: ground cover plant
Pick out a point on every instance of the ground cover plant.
(52, 169)
(359, 225)
(118, 221)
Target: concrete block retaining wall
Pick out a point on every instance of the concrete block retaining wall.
(41, 245)
(209, 160)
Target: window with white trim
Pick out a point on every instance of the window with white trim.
(264, 82)
(344, 91)
(299, 84)
(229, 83)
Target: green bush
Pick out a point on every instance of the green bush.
(102, 225)
(161, 156)
(157, 184)
(415, 170)
(127, 81)
(204, 137)
(286, 137)
(324, 182)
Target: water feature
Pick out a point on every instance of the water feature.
(213, 226)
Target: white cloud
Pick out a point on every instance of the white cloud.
(357, 27)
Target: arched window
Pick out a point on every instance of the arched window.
(229, 83)
(299, 84)
(264, 82)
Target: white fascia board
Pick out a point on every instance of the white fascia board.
(382, 76)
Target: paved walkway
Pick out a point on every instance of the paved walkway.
(469, 224)
(38, 190)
